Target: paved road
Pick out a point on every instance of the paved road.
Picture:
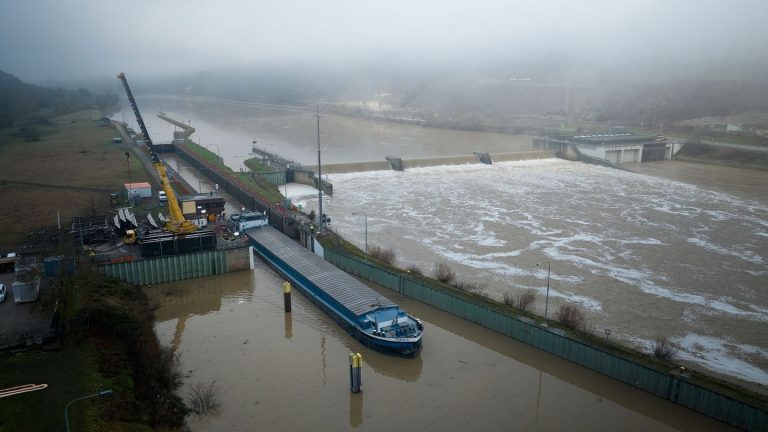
(20, 320)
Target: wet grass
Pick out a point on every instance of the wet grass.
(72, 169)
(67, 373)
(266, 189)
(255, 165)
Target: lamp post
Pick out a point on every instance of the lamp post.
(130, 192)
(66, 408)
(285, 185)
(546, 301)
(366, 229)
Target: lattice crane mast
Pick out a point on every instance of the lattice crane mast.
(177, 223)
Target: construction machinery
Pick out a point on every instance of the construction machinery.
(178, 235)
(176, 224)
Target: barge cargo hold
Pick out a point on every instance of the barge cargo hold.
(370, 317)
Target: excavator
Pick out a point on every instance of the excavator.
(176, 224)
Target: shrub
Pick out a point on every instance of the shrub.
(525, 300)
(509, 299)
(384, 255)
(414, 269)
(472, 287)
(443, 272)
(663, 348)
(203, 398)
(571, 316)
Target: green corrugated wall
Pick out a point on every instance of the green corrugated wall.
(276, 178)
(168, 268)
(670, 387)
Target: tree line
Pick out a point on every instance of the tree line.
(25, 105)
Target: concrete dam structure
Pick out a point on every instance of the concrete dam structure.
(399, 164)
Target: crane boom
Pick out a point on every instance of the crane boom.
(177, 223)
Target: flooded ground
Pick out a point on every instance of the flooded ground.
(289, 372)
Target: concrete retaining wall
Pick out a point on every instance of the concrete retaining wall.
(179, 267)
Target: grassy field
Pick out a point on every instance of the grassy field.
(72, 168)
(43, 410)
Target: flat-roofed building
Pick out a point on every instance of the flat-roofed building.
(612, 148)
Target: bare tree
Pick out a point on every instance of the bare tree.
(382, 254)
(571, 316)
(443, 272)
(663, 349)
(525, 300)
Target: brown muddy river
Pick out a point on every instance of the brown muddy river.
(289, 372)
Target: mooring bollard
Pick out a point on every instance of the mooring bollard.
(355, 372)
(287, 296)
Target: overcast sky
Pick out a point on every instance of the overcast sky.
(76, 39)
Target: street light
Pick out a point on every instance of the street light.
(546, 301)
(66, 408)
(366, 229)
(285, 185)
(130, 192)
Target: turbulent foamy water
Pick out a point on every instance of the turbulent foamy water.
(646, 256)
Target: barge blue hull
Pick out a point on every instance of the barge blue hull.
(388, 345)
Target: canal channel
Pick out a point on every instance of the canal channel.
(278, 371)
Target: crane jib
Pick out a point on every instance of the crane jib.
(177, 223)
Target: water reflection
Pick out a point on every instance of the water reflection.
(183, 299)
(288, 325)
(231, 333)
(355, 409)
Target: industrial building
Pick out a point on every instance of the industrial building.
(614, 149)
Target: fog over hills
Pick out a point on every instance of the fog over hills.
(628, 60)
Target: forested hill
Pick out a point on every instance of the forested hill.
(22, 104)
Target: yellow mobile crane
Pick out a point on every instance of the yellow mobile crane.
(177, 224)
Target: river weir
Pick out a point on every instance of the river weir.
(645, 256)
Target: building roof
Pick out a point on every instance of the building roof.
(137, 185)
(351, 293)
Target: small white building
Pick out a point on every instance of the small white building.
(615, 149)
(138, 190)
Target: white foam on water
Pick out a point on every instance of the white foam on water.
(723, 356)
(704, 243)
(632, 234)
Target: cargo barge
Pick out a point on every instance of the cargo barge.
(370, 317)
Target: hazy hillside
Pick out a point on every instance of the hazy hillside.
(491, 96)
(22, 104)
